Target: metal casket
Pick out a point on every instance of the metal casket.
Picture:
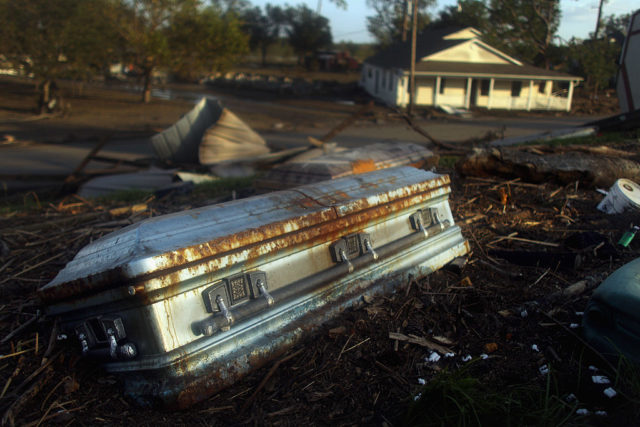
(185, 304)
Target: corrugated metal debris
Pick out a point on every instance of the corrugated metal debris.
(208, 134)
(344, 162)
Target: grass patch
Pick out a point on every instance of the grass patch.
(124, 196)
(458, 398)
(627, 383)
(223, 186)
(24, 202)
(33, 202)
(602, 138)
(448, 162)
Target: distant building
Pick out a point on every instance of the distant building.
(454, 67)
(333, 60)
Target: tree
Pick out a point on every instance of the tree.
(468, 13)
(307, 31)
(616, 27)
(263, 28)
(525, 27)
(144, 25)
(387, 23)
(595, 59)
(55, 39)
(181, 35)
(204, 40)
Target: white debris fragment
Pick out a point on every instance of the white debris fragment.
(601, 413)
(579, 313)
(573, 325)
(582, 411)
(422, 381)
(610, 392)
(467, 358)
(524, 313)
(571, 398)
(417, 397)
(61, 337)
(593, 368)
(535, 348)
(433, 357)
(449, 354)
(600, 379)
(484, 356)
(544, 369)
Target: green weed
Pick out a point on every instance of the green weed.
(603, 138)
(458, 398)
(448, 162)
(223, 186)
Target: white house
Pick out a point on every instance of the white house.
(454, 67)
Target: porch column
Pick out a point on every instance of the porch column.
(570, 95)
(436, 91)
(467, 98)
(490, 93)
(530, 95)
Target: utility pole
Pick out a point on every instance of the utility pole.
(405, 19)
(412, 76)
(595, 35)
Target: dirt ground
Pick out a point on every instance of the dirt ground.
(92, 111)
(350, 372)
(113, 110)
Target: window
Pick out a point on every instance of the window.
(390, 82)
(370, 73)
(542, 88)
(516, 88)
(384, 79)
(443, 84)
(484, 87)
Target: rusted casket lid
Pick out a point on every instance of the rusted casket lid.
(344, 163)
(157, 244)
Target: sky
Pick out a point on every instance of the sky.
(578, 16)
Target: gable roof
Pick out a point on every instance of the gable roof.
(429, 42)
(435, 40)
(468, 45)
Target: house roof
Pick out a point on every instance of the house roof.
(429, 42)
(434, 40)
(467, 69)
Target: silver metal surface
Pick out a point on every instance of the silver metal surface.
(180, 142)
(201, 297)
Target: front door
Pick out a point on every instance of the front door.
(474, 93)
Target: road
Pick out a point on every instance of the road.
(32, 165)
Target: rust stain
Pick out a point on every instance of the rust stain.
(249, 245)
(362, 166)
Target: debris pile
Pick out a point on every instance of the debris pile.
(364, 367)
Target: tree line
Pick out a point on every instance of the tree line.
(54, 39)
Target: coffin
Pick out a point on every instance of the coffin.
(185, 304)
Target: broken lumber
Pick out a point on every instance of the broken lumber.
(420, 341)
(561, 166)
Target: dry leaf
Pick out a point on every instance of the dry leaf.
(71, 385)
(490, 347)
(340, 330)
